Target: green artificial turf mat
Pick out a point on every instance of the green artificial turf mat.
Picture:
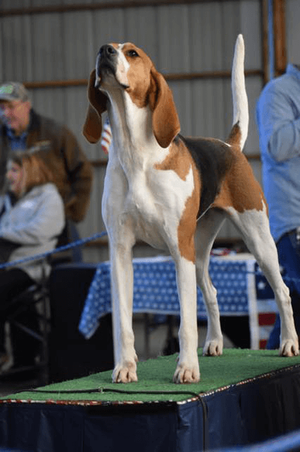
(155, 375)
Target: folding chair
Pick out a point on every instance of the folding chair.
(34, 300)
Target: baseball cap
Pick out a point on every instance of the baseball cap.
(13, 91)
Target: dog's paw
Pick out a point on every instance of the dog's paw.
(125, 374)
(289, 348)
(213, 348)
(186, 374)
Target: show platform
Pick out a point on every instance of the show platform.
(244, 397)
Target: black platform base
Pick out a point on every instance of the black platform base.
(68, 419)
(70, 354)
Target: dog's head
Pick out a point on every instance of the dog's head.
(127, 68)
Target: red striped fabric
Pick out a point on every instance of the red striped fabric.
(106, 137)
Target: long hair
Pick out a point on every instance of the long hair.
(36, 172)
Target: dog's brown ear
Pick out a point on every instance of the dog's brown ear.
(92, 128)
(165, 121)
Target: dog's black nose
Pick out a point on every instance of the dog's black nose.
(107, 51)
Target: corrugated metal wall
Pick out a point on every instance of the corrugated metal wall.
(293, 31)
(180, 38)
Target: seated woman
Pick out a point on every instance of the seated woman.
(31, 219)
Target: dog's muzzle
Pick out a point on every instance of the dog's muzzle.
(106, 60)
(107, 51)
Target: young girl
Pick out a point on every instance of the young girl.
(31, 219)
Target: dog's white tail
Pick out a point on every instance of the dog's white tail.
(239, 129)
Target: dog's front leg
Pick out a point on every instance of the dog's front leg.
(122, 299)
(187, 370)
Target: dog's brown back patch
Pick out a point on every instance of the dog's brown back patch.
(240, 188)
(178, 160)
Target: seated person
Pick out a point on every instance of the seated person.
(31, 219)
(22, 128)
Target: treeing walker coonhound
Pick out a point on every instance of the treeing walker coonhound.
(174, 193)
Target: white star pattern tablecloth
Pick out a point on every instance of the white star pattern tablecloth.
(155, 289)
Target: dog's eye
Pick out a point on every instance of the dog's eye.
(132, 53)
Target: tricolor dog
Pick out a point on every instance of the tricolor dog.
(174, 193)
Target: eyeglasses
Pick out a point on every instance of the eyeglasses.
(9, 106)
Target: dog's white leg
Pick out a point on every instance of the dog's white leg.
(122, 299)
(207, 230)
(187, 370)
(121, 241)
(254, 226)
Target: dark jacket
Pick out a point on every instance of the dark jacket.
(62, 153)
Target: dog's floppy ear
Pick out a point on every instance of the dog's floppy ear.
(165, 121)
(93, 124)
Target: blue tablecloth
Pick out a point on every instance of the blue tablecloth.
(155, 289)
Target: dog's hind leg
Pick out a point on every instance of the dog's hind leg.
(207, 229)
(254, 227)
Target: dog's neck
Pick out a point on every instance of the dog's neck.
(133, 138)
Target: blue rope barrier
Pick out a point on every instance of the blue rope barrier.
(75, 244)
(81, 242)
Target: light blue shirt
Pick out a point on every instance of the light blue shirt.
(278, 120)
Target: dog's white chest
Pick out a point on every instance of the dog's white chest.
(142, 205)
(154, 203)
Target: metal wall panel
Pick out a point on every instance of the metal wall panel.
(179, 38)
(293, 30)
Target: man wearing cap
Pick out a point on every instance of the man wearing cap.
(22, 128)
